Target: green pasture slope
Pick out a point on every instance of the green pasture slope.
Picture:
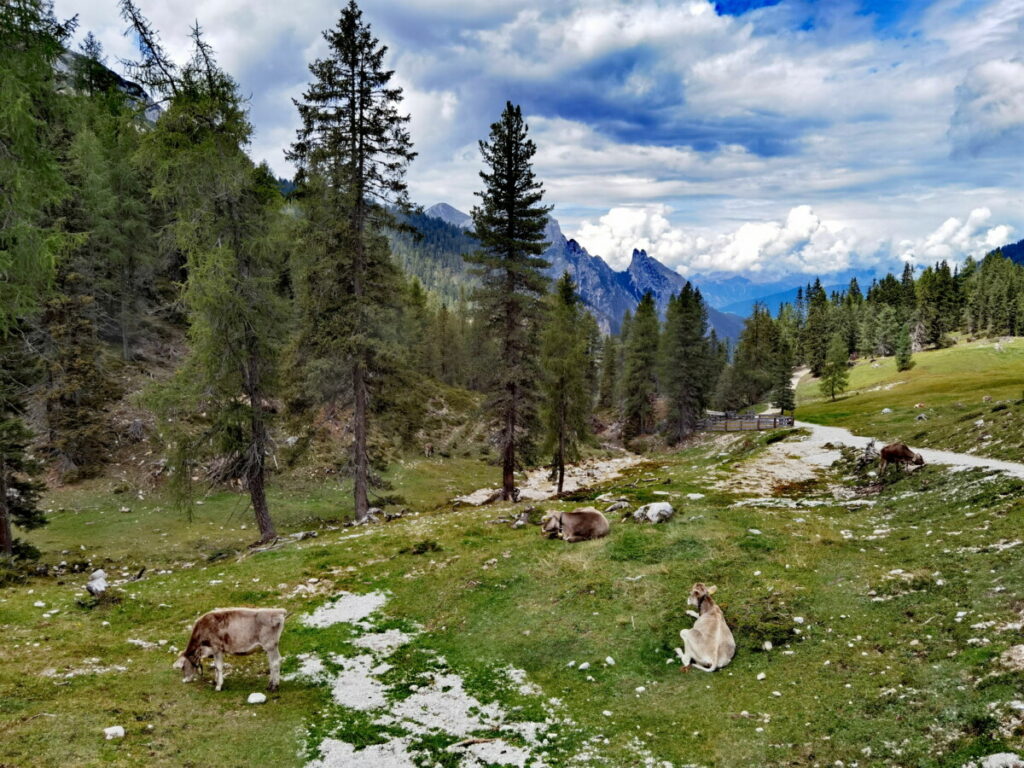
(904, 606)
(972, 396)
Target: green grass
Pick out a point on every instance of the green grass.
(952, 385)
(850, 679)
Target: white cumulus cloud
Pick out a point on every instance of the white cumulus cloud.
(955, 240)
(802, 243)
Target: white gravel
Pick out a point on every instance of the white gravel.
(347, 607)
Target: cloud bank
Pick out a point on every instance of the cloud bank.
(751, 136)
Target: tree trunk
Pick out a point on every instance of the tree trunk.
(257, 492)
(508, 463)
(6, 537)
(362, 469)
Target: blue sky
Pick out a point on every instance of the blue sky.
(757, 137)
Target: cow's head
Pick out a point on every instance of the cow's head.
(699, 593)
(189, 665)
(918, 459)
(551, 525)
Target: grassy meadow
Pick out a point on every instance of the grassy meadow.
(886, 615)
(972, 398)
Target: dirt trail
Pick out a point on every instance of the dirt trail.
(538, 486)
(820, 456)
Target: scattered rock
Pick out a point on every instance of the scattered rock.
(887, 410)
(257, 698)
(1013, 658)
(998, 760)
(97, 583)
(658, 512)
(113, 732)
(615, 507)
(920, 417)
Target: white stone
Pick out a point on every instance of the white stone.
(609, 661)
(113, 732)
(658, 512)
(584, 666)
(761, 675)
(257, 698)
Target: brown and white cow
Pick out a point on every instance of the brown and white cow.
(708, 644)
(238, 631)
(578, 525)
(898, 453)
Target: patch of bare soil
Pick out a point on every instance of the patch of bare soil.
(538, 485)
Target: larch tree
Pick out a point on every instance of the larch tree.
(509, 225)
(351, 152)
(32, 116)
(223, 212)
(640, 374)
(565, 360)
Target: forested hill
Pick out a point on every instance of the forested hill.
(435, 258)
(1014, 252)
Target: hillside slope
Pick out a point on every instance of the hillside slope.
(966, 398)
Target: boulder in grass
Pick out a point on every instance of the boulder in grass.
(97, 583)
(658, 512)
(257, 698)
(113, 732)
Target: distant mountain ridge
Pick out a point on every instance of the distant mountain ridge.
(606, 292)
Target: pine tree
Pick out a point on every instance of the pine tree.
(564, 362)
(686, 356)
(509, 224)
(351, 151)
(834, 375)
(904, 358)
(639, 380)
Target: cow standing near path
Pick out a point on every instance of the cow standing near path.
(898, 453)
(238, 631)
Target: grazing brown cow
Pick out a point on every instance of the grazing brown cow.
(578, 525)
(238, 631)
(898, 453)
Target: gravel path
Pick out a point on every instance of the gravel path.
(814, 452)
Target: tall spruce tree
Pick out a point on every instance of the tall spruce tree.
(351, 152)
(509, 224)
(783, 396)
(904, 349)
(834, 374)
(685, 358)
(640, 375)
(609, 373)
(565, 362)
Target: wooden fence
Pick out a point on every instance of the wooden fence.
(743, 423)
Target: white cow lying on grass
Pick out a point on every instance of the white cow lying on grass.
(709, 644)
(238, 631)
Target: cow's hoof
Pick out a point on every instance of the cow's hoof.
(272, 687)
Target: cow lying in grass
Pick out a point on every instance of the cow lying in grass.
(578, 525)
(708, 644)
(238, 631)
(898, 453)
